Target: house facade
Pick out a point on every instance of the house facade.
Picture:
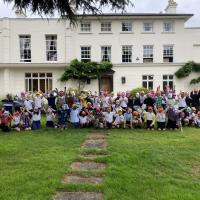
(146, 50)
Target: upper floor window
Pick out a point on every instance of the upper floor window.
(168, 27)
(168, 53)
(126, 26)
(25, 48)
(127, 54)
(147, 53)
(106, 27)
(148, 27)
(51, 47)
(106, 53)
(85, 27)
(85, 53)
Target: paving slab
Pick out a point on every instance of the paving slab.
(96, 136)
(82, 180)
(95, 143)
(78, 196)
(87, 166)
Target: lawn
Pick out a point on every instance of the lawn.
(141, 165)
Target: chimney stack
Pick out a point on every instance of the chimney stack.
(171, 7)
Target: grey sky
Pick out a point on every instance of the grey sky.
(184, 6)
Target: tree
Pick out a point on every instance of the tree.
(82, 71)
(68, 8)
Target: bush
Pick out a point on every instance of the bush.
(138, 90)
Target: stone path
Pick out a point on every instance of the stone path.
(94, 147)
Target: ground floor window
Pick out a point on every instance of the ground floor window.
(38, 82)
(168, 81)
(147, 81)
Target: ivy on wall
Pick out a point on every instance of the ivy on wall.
(187, 69)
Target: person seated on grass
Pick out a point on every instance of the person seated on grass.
(197, 120)
(128, 118)
(108, 117)
(83, 117)
(119, 120)
(160, 118)
(5, 119)
(16, 121)
(74, 116)
(50, 117)
(149, 119)
(26, 120)
(137, 121)
(36, 123)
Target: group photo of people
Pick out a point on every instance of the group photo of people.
(152, 110)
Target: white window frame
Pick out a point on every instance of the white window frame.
(29, 81)
(149, 79)
(106, 27)
(148, 52)
(168, 29)
(85, 27)
(106, 57)
(51, 48)
(127, 53)
(25, 48)
(85, 53)
(128, 26)
(169, 78)
(168, 53)
(148, 27)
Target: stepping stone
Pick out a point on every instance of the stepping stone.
(96, 136)
(82, 180)
(100, 144)
(78, 196)
(87, 166)
(92, 156)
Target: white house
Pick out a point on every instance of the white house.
(145, 49)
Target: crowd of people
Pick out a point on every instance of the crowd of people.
(159, 110)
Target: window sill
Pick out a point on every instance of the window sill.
(126, 32)
(147, 32)
(168, 32)
(83, 33)
(106, 33)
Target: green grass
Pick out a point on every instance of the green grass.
(141, 165)
(32, 164)
(153, 165)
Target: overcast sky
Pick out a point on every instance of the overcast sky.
(184, 6)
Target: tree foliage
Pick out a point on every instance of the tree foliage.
(68, 8)
(187, 69)
(82, 71)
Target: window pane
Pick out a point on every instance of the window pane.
(144, 84)
(42, 74)
(126, 26)
(171, 77)
(35, 74)
(150, 85)
(35, 85)
(85, 27)
(106, 27)
(27, 74)
(150, 77)
(164, 77)
(144, 77)
(49, 74)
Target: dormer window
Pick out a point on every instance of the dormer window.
(148, 27)
(168, 27)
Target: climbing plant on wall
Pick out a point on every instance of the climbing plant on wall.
(187, 69)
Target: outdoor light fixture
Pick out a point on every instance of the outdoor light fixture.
(123, 79)
(137, 59)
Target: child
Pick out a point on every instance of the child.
(74, 116)
(36, 124)
(149, 119)
(119, 119)
(98, 120)
(16, 118)
(63, 116)
(83, 119)
(50, 118)
(137, 121)
(128, 118)
(197, 120)
(26, 121)
(109, 117)
(6, 119)
(161, 118)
